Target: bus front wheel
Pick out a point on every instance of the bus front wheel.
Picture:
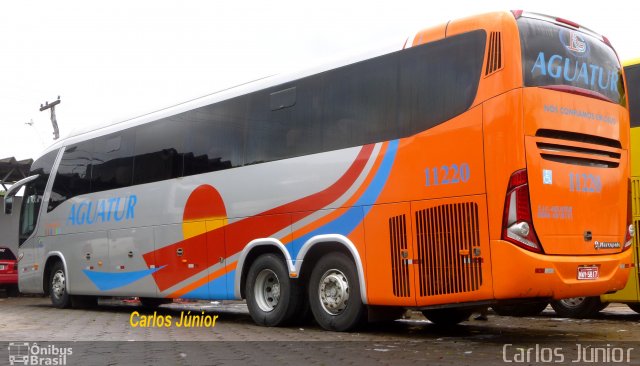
(273, 298)
(334, 293)
(58, 287)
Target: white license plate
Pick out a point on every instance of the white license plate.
(588, 273)
(2, 266)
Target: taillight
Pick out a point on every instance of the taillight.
(630, 232)
(15, 267)
(517, 222)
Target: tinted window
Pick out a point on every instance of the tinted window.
(439, 80)
(633, 84)
(215, 137)
(33, 194)
(73, 176)
(384, 98)
(288, 132)
(7, 255)
(113, 161)
(43, 166)
(360, 103)
(158, 150)
(555, 55)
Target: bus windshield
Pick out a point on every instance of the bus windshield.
(559, 56)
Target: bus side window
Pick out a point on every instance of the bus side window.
(112, 162)
(73, 177)
(159, 150)
(215, 138)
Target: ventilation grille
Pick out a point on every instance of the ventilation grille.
(578, 149)
(399, 253)
(448, 243)
(494, 53)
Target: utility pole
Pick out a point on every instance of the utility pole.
(54, 122)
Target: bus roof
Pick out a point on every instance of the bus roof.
(633, 61)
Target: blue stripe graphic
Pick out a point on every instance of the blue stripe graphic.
(346, 223)
(109, 280)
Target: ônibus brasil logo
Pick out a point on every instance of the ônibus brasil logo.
(24, 353)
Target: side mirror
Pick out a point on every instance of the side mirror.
(8, 205)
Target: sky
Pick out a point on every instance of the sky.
(114, 60)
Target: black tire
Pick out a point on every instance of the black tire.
(84, 302)
(273, 298)
(344, 311)
(578, 307)
(12, 291)
(526, 309)
(635, 306)
(447, 316)
(154, 302)
(58, 287)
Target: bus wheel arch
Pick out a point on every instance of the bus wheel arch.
(251, 253)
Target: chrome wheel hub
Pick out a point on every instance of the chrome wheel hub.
(267, 290)
(334, 291)
(58, 284)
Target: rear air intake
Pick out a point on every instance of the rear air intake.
(494, 53)
(578, 149)
(449, 257)
(399, 255)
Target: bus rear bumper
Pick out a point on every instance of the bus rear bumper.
(518, 273)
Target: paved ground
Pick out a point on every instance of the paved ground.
(105, 335)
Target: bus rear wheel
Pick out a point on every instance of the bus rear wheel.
(58, 287)
(578, 307)
(447, 316)
(273, 298)
(334, 293)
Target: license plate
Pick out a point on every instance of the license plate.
(2, 266)
(588, 273)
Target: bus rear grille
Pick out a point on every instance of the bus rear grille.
(399, 255)
(578, 149)
(494, 53)
(448, 243)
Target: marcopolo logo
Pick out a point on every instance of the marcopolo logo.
(606, 244)
(24, 353)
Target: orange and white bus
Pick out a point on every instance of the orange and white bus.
(484, 162)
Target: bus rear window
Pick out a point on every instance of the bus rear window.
(555, 55)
